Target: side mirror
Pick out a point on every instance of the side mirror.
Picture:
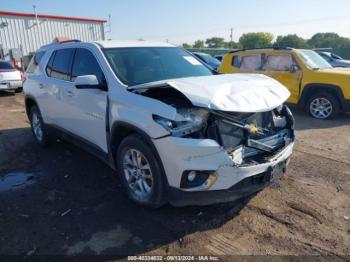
(87, 82)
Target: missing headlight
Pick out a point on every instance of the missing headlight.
(190, 120)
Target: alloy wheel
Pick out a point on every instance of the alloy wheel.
(37, 127)
(138, 174)
(321, 108)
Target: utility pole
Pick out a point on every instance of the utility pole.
(36, 15)
(231, 37)
(107, 28)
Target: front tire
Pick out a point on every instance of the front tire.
(38, 126)
(140, 172)
(323, 106)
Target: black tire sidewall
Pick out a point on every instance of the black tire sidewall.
(45, 141)
(333, 100)
(137, 142)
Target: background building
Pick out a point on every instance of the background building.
(23, 33)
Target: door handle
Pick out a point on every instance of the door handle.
(41, 85)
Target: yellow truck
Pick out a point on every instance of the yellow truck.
(314, 84)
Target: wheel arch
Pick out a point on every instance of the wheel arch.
(311, 89)
(29, 102)
(121, 130)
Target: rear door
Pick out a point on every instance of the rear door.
(58, 86)
(283, 68)
(87, 117)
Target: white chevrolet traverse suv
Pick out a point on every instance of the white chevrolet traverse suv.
(173, 129)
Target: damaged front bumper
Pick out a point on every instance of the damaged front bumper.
(180, 155)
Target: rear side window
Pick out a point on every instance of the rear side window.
(278, 62)
(250, 62)
(5, 66)
(59, 65)
(86, 64)
(34, 63)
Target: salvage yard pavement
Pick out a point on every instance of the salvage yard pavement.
(62, 200)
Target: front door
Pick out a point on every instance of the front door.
(284, 69)
(88, 105)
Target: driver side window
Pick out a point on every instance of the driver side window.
(85, 63)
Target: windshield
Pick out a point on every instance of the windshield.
(5, 66)
(209, 59)
(140, 65)
(313, 60)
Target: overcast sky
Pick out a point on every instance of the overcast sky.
(182, 21)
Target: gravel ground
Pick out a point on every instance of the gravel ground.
(63, 201)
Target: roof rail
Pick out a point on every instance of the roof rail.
(282, 48)
(261, 48)
(70, 41)
(323, 49)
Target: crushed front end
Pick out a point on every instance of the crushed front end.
(229, 137)
(252, 138)
(216, 156)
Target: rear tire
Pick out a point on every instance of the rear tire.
(323, 106)
(38, 127)
(140, 172)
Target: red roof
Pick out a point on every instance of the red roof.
(53, 17)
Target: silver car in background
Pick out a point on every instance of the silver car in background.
(10, 78)
(334, 60)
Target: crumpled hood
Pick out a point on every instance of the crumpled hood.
(232, 92)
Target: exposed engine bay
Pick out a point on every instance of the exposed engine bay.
(246, 137)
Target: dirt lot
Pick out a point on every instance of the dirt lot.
(64, 201)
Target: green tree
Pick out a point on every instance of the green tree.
(332, 40)
(256, 40)
(198, 44)
(215, 42)
(232, 45)
(290, 41)
(186, 46)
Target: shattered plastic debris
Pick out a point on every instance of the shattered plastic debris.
(66, 212)
(31, 252)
